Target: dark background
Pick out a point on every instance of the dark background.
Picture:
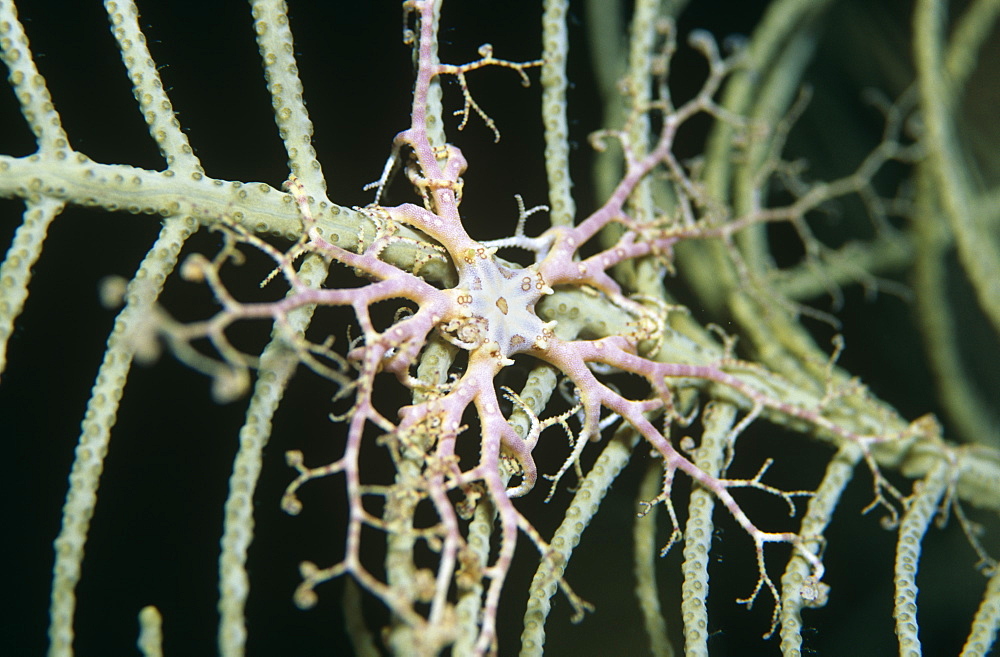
(154, 537)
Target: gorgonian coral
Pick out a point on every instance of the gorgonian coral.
(492, 313)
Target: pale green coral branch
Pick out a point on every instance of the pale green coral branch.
(795, 594)
(921, 510)
(971, 31)
(977, 247)
(965, 405)
(581, 511)
(645, 556)
(257, 206)
(555, 55)
(277, 364)
(277, 50)
(15, 272)
(719, 419)
(147, 87)
(95, 435)
(987, 621)
(29, 86)
(150, 641)
(961, 398)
